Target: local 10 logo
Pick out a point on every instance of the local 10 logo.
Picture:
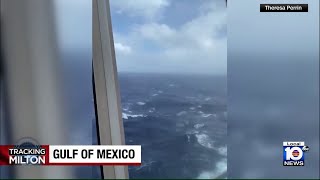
(294, 153)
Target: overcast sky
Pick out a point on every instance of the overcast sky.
(190, 36)
(170, 36)
(166, 36)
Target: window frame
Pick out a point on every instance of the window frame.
(31, 80)
(107, 94)
(104, 71)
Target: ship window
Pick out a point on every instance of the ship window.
(54, 78)
(74, 29)
(172, 76)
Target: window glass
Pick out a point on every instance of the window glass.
(74, 29)
(273, 89)
(172, 59)
(5, 172)
(72, 22)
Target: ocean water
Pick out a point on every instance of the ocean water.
(180, 121)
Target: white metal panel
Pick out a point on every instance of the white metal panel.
(29, 46)
(106, 85)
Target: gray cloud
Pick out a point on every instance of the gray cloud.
(140, 8)
(197, 46)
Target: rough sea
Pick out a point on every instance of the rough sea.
(180, 121)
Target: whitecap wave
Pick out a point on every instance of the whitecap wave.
(220, 170)
(198, 126)
(126, 116)
(188, 136)
(192, 108)
(141, 103)
(145, 164)
(204, 140)
(192, 132)
(151, 110)
(181, 113)
(223, 150)
(206, 115)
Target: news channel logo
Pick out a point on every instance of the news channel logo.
(24, 152)
(294, 153)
